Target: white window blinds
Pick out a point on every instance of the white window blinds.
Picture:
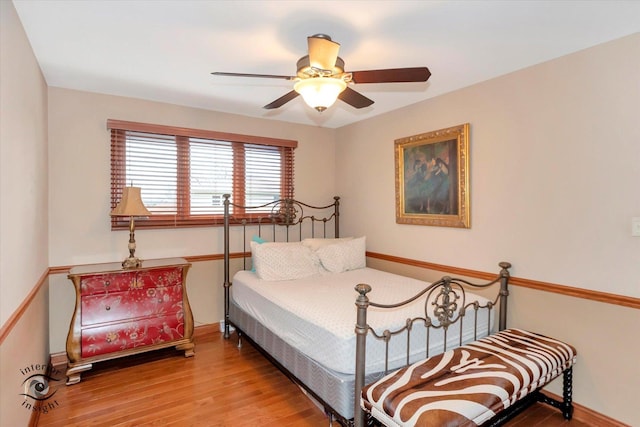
(183, 173)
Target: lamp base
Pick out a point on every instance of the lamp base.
(132, 262)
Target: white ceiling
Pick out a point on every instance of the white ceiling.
(165, 50)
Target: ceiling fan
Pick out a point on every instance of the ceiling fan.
(321, 78)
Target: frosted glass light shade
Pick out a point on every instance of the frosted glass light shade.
(320, 92)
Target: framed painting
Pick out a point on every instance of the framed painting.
(432, 178)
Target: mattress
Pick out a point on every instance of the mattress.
(317, 315)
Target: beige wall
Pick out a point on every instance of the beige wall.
(24, 244)
(23, 132)
(554, 168)
(554, 171)
(80, 173)
(26, 346)
(80, 184)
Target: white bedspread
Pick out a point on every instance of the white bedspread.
(317, 316)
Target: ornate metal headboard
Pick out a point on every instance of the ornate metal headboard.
(283, 220)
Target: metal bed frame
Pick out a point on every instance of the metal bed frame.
(283, 213)
(339, 394)
(444, 305)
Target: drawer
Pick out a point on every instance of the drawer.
(124, 336)
(132, 304)
(103, 283)
(142, 279)
(160, 277)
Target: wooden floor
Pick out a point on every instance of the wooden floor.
(221, 386)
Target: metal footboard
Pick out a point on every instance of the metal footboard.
(445, 305)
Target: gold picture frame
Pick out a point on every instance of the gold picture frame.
(432, 178)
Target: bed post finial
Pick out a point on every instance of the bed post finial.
(362, 302)
(504, 293)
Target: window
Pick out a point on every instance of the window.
(184, 173)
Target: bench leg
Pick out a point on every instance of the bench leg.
(567, 393)
(566, 405)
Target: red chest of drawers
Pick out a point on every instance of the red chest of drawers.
(122, 312)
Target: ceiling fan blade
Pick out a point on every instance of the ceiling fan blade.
(355, 99)
(266, 76)
(282, 100)
(392, 75)
(323, 52)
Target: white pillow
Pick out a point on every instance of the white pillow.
(284, 261)
(314, 243)
(343, 256)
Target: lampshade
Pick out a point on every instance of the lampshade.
(320, 92)
(130, 204)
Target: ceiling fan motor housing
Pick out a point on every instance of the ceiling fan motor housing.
(305, 70)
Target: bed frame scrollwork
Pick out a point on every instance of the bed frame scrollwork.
(447, 300)
(286, 215)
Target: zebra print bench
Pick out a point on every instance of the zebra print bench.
(485, 382)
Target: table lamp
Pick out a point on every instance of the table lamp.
(131, 205)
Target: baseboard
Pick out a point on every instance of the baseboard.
(589, 416)
(59, 361)
(206, 330)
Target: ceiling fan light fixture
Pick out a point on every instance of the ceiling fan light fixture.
(320, 92)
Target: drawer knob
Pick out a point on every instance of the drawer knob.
(107, 283)
(108, 307)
